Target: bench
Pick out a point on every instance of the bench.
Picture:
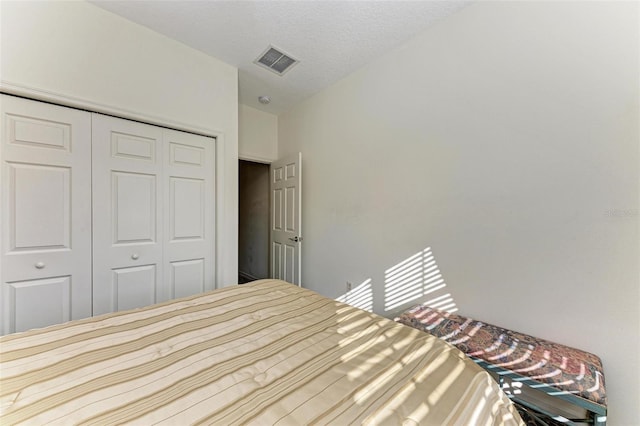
(553, 383)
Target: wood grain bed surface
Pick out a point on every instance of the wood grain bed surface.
(261, 353)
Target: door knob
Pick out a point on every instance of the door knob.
(296, 239)
(39, 265)
(135, 256)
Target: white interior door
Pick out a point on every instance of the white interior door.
(45, 232)
(127, 214)
(285, 221)
(189, 194)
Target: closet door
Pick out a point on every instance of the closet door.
(189, 196)
(127, 215)
(45, 214)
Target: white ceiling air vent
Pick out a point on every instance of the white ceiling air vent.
(275, 60)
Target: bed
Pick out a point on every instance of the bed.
(261, 353)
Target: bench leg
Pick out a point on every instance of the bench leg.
(599, 420)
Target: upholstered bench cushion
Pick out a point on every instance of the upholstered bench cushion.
(566, 369)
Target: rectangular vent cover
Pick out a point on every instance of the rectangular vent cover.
(275, 60)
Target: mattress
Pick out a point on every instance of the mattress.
(261, 353)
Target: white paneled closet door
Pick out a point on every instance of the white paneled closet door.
(45, 232)
(127, 214)
(153, 214)
(189, 193)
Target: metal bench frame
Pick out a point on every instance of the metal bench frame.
(596, 413)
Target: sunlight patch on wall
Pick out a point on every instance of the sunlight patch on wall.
(360, 297)
(414, 278)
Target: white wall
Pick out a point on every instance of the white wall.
(258, 135)
(506, 139)
(80, 55)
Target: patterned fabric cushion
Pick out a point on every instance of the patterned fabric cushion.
(562, 367)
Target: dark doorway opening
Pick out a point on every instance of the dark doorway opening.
(253, 221)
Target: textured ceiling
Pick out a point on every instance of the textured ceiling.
(330, 38)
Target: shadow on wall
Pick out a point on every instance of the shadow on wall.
(409, 282)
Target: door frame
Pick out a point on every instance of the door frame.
(269, 162)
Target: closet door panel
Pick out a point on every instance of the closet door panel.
(133, 218)
(187, 201)
(189, 188)
(127, 214)
(187, 278)
(39, 303)
(41, 199)
(134, 287)
(45, 231)
(39, 222)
